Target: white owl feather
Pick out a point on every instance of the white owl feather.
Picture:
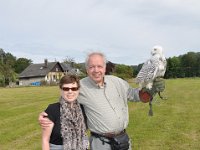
(152, 68)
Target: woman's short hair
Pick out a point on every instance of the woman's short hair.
(67, 79)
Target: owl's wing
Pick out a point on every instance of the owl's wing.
(148, 72)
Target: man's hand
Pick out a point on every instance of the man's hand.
(158, 86)
(147, 94)
(44, 120)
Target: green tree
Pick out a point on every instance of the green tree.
(123, 71)
(198, 64)
(7, 73)
(2, 77)
(21, 64)
(189, 63)
(2, 56)
(10, 60)
(174, 68)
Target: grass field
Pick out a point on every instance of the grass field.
(174, 126)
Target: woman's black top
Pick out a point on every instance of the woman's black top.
(53, 111)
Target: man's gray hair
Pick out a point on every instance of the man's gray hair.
(94, 53)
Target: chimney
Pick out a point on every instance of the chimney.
(45, 63)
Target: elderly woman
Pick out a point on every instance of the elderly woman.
(67, 130)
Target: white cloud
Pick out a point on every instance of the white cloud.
(124, 30)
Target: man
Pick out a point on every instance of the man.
(104, 98)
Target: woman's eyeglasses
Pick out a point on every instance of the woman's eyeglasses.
(67, 89)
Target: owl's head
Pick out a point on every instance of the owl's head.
(157, 50)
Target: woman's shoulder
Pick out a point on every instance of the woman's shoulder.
(53, 106)
(53, 111)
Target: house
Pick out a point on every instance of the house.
(69, 69)
(110, 67)
(34, 74)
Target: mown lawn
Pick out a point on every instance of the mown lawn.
(175, 124)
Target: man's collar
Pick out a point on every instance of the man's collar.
(97, 85)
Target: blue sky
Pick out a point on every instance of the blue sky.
(125, 30)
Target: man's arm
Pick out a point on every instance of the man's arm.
(44, 120)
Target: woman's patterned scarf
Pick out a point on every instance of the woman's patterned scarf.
(73, 129)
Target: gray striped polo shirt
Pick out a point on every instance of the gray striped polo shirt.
(106, 107)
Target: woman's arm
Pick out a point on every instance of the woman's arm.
(46, 133)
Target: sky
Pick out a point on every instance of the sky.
(124, 30)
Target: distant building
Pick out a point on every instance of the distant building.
(68, 68)
(110, 67)
(34, 74)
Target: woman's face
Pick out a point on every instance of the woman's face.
(70, 92)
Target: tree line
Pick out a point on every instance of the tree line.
(187, 65)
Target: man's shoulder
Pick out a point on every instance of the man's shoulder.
(112, 77)
(84, 80)
(116, 80)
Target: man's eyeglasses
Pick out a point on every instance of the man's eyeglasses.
(67, 89)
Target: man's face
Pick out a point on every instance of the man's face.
(96, 68)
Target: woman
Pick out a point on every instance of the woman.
(67, 130)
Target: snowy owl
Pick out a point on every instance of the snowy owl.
(153, 68)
